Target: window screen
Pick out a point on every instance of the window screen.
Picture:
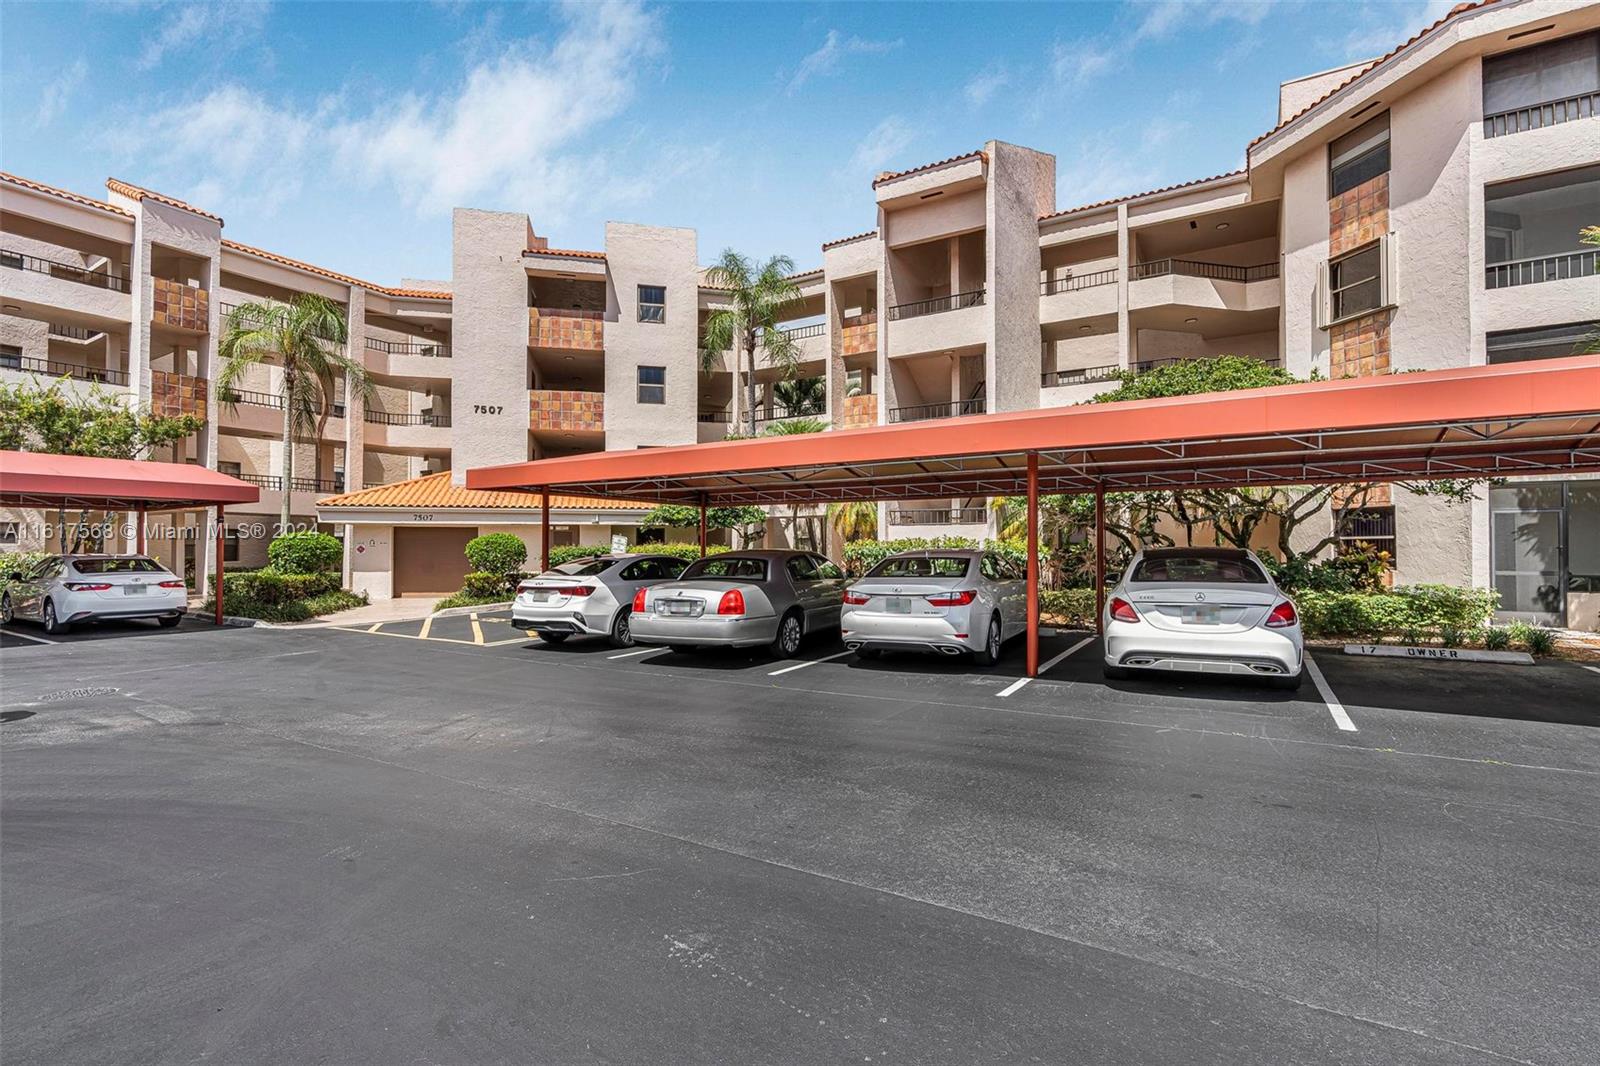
(1355, 282)
(652, 303)
(1535, 217)
(1359, 156)
(652, 384)
(1556, 70)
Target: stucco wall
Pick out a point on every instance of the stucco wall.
(1022, 187)
(490, 340)
(651, 255)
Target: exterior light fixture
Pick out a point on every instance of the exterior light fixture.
(1190, 321)
(1223, 225)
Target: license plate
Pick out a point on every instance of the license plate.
(540, 596)
(681, 606)
(1205, 616)
(899, 604)
(133, 590)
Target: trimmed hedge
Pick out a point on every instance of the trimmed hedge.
(862, 555)
(686, 552)
(1409, 607)
(1068, 607)
(273, 596)
(497, 553)
(307, 552)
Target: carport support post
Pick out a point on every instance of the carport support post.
(140, 541)
(702, 527)
(1099, 557)
(544, 531)
(218, 594)
(1033, 564)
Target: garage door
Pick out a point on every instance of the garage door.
(428, 560)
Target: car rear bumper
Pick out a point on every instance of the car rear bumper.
(941, 634)
(1258, 653)
(559, 619)
(152, 611)
(708, 630)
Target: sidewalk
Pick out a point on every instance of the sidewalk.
(395, 610)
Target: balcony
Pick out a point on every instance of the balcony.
(423, 418)
(939, 516)
(1077, 282)
(1194, 283)
(860, 334)
(274, 483)
(566, 330)
(51, 368)
(64, 271)
(179, 306)
(798, 333)
(1194, 268)
(944, 323)
(936, 306)
(73, 333)
(1543, 268)
(1537, 116)
(859, 410)
(566, 410)
(1078, 296)
(173, 395)
(921, 412)
(1113, 372)
(428, 349)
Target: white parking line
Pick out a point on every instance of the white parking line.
(25, 636)
(631, 654)
(1014, 686)
(1063, 655)
(1335, 708)
(808, 662)
(1595, 669)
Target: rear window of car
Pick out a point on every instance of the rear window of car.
(137, 565)
(734, 569)
(923, 566)
(1199, 568)
(583, 567)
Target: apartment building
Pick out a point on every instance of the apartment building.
(1415, 211)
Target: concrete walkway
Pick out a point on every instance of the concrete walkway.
(395, 610)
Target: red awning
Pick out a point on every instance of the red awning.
(1517, 419)
(35, 479)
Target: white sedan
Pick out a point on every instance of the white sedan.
(62, 590)
(952, 602)
(1202, 610)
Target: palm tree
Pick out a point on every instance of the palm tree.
(854, 519)
(306, 339)
(759, 295)
(801, 396)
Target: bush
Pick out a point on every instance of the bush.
(1067, 607)
(1414, 607)
(482, 583)
(1540, 641)
(1351, 571)
(565, 553)
(1497, 638)
(309, 552)
(462, 599)
(862, 555)
(497, 553)
(687, 552)
(274, 596)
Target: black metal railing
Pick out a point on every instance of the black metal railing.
(384, 418)
(715, 416)
(65, 271)
(1537, 116)
(1074, 282)
(251, 397)
(74, 333)
(274, 483)
(1113, 371)
(777, 412)
(432, 349)
(919, 412)
(937, 305)
(1541, 268)
(227, 309)
(815, 329)
(98, 375)
(1194, 268)
(938, 516)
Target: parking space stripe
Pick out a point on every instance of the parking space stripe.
(809, 662)
(1595, 669)
(374, 627)
(1014, 686)
(477, 630)
(1063, 655)
(427, 624)
(27, 636)
(1335, 708)
(631, 654)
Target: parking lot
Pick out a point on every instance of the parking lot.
(452, 844)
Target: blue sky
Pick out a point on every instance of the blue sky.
(343, 133)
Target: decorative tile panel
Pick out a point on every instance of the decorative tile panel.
(172, 395)
(859, 411)
(1358, 216)
(860, 334)
(180, 306)
(567, 410)
(579, 331)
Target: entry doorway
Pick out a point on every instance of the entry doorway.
(430, 560)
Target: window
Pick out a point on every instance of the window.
(8, 535)
(989, 568)
(828, 571)
(134, 564)
(922, 566)
(1543, 74)
(652, 303)
(231, 469)
(738, 568)
(230, 545)
(1365, 527)
(1536, 217)
(653, 570)
(1546, 342)
(1359, 156)
(802, 569)
(652, 384)
(1227, 569)
(1356, 283)
(583, 567)
(10, 357)
(655, 535)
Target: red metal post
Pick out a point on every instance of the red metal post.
(544, 531)
(1099, 558)
(702, 527)
(140, 541)
(218, 594)
(1033, 564)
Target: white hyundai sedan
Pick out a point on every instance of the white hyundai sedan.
(1202, 610)
(62, 590)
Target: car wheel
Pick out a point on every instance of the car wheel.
(1288, 684)
(683, 649)
(52, 624)
(991, 645)
(1117, 673)
(787, 642)
(554, 638)
(170, 621)
(7, 614)
(622, 629)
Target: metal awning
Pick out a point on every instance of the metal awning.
(36, 479)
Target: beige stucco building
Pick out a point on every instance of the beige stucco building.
(1419, 210)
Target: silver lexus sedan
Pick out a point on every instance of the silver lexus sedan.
(949, 602)
(742, 599)
(1202, 610)
(589, 597)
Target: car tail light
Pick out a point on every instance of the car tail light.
(732, 602)
(1282, 616)
(573, 590)
(171, 585)
(855, 599)
(88, 586)
(638, 600)
(526, 586)
(1122, 610)
(953, 599)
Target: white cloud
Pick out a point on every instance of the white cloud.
(825, 60)
(201, 23)
(981, 87)
(1376, 28)
(883, 145)
(1075, 62)
(58, 91)
(1165, 18)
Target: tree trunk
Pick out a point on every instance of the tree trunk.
(288, 451)
(750, 379)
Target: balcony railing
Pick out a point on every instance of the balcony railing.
(73, 333)
(98, 375)
(937, 305)
(815, 329)
(274, 483)
(1111, 372)
(1075, 282)
(257, 398)
(384, 418)
(1194, 268)
(778, 412)
(1537, 116)
(715, 416)
(920, 412)
(939, 516)
(428, 348)
(1541, 268)
(227, 309)
(65, 271)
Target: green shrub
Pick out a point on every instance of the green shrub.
(462, 599)
(497, 553)
(309, 552)
(18, 563)
(273, 596)
(565, 553)
(1067, 607)
(1452, 636)
(1351, 571)
(686, 552)
(1497, 638)
(479, 584)
(1412, 635)
(1540, 641)
(1421, 607)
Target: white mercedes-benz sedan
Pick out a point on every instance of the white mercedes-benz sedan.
(63, 590)
(1202, 610)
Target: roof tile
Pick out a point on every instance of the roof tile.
(437, 492)
(571, 253)
(1138, 195)
(892, 175)
(847, 240)
(136, 192)
(51, 190)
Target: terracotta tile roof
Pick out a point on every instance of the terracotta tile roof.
(1137, 195)
(847, 240)
(1370, 67)
(51, 190)
(571, 253)
(346, 279)
(436, 492)
(426, 294)
(135, 192)
(895, 174)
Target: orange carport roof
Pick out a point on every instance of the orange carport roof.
(1508, 420)
(36, 479)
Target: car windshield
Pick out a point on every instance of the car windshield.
(1200, 568)
(583, 567)
(744, 569)
(923, 566)
(136, 565)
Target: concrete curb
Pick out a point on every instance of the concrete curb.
(1438, 655)
(450, 612)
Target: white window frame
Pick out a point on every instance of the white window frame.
(659, 318)
(1388, 283)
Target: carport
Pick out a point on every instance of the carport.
(1515, 419)
(40, 480)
